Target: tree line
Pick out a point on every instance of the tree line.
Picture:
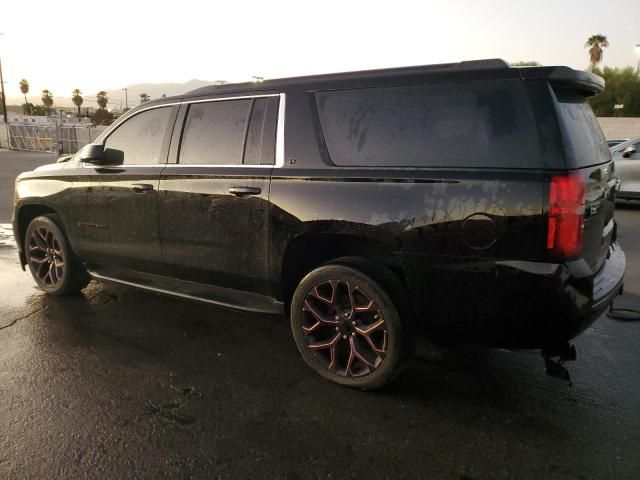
(101, 116)
(621, 96)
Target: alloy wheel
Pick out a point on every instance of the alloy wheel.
(45, 256)
(344, 328)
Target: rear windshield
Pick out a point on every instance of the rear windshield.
(582, 136)
(472, 124)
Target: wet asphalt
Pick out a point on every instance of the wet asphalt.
(119, 383)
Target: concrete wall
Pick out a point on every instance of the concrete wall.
(620, 127)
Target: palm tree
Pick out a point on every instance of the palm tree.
(47, 100)
(597, 43)
(77, 99)
(144, 98)
(102, 99)
(24, 88)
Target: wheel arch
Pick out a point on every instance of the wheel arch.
(310, 250)
(24, 216)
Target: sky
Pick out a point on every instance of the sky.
(61, 45)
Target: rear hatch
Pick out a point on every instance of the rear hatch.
(587, 155)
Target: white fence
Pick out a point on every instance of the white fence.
(51, 138)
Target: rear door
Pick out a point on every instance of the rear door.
(587, 153)
(214, 198)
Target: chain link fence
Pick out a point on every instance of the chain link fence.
(51, 138)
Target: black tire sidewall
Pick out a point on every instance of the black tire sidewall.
(67, 255)
(392, 360)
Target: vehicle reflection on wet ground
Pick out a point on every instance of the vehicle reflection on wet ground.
(122, 383)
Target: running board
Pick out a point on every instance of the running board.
(223, 297)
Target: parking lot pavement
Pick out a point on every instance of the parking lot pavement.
(118, 383)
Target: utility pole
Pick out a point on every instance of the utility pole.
(4, 105)
(126, 98)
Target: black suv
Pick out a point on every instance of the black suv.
(469, 203)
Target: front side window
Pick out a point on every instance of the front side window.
(140, 139)
(214, 133)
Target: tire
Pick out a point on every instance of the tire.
(53, 265)
(355, 339)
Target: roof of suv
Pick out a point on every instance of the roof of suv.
(466, 66)
(490, 69)
(482, 69)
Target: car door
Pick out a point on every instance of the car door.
(628, 168)
(214, 198)
(117, 209)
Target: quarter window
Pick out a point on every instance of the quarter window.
(140, 139)
(475, 124)
(214, 133)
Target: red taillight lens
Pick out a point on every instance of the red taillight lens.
(566, 216)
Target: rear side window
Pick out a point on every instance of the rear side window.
(583, 138)
(214, 133)
(471, 124)
(260, 146)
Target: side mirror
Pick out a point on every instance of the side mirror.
(628, 152)
(92, 153)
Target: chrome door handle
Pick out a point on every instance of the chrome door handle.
(244, 191)
(141, 187)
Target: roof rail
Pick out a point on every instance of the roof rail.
(484, 64)
(468, 65)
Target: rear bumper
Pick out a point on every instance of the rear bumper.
(607, 284)
(512, 304)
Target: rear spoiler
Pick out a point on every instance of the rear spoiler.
(586, 83)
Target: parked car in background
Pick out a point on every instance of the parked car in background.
(626, 158)
(613, 143)
(471, 203)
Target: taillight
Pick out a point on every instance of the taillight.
(566, 216)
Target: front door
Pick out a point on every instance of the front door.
(214, 199)
(117, 224)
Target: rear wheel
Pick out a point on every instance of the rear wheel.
(347, 328)
(52, 263)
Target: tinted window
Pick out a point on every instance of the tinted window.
(583, 138)
(214, 132)
(260, 147)
(140, 139)
(473, 124)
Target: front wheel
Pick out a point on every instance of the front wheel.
(347, 328)
(52, 263)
